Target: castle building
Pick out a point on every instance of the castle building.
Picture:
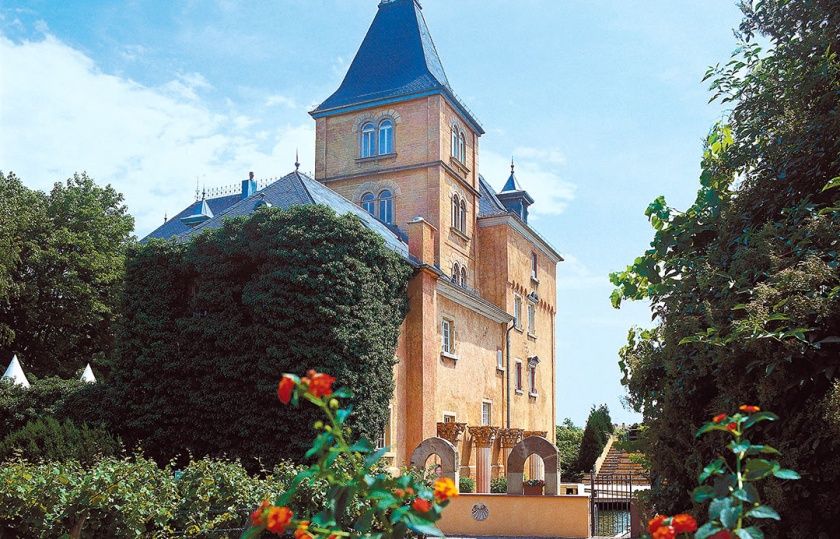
(396, 146)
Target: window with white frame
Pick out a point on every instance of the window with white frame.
(384, 438)
(534, 264)
(517, 311)
(500, 359)
(518, 376)
(447, 329)
(386, 137)
(368, 140)
(462, 224)
(369, 203)
(454, 142)
(386, 207)
(462, 148)
(486, 412)
(448, 418)
(532, 315)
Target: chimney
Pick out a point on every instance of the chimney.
(421, 240)
(249, 186)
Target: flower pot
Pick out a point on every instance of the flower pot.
(536, 490)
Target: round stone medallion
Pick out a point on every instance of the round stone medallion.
(480, 512)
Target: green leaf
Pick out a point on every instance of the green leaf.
(750, 533)
(833, 183)
(701, 494)
(785, 473)
(747, 493)
(707, 530)
(717, 507)
(713, 468)
(343, 413)
(759, 417)
(424, 528)
(342, 393)
(758, 469)
(763, 511)
(729, 517)
(364, 522)
(739, 447)
(361, 446)
(373, 458)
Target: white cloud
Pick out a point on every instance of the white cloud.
(281, 101)
(61, 114)
(573, 274)
(536, 170)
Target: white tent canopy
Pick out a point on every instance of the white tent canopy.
(15, 373)
(88, 376)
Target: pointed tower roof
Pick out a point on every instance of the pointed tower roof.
(202, 213)
(397, 61)
(512, 184)
(15, 373)
(88, 376)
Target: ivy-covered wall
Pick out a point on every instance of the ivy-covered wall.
(210, 326)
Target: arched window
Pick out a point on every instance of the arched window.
(369, 203)
(463, 223)
(456, 273)
(464, 276)
(368, 141)
(386, 207)
(386, 137)
(462, 148)
(455, 142)
(456, 210)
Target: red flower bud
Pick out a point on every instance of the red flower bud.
(719, 418)
(749, 408)
(285, 389)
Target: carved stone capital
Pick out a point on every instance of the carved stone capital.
(483, 436)
(540, 433)
(451, 432)
(510, 437)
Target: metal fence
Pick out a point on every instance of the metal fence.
(610, 496)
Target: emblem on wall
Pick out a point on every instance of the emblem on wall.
(480, 512)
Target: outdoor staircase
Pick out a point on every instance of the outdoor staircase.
(618, 462)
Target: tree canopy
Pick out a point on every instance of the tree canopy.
(745, 284)
(62, 255)
(211, 325)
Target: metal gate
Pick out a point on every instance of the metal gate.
(609, 505)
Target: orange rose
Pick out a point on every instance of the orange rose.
(732, 427)
(684, 523)
(664, 532)
(444, 489)
(749, 408)
(655, 523)
(421, 505)
(285, 389)
(278, 519)
(722, 534)
(719, 418)
(399, 493)
(258, 516)
(320, 384)
(302, 531)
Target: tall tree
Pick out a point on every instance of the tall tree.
(745, 283)
(61, 268)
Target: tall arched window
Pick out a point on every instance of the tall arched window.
(462, 148)
(386, 207)
(369, 203)
(368, 141)
(455, 142)
(463, 223)
(386, 137)
(456, 210)
(464, 276)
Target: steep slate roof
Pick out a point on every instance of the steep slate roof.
(292, 189)
(396, 61)
(174, 226)
(488, 204)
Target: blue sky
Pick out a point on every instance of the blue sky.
(600, 103)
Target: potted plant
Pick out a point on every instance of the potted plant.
(533, 487)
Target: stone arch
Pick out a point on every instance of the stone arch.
(376, 117)
(375, 187)
(443, 449)
(533, 445)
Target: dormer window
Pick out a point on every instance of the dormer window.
(386, 137)
(368, 140)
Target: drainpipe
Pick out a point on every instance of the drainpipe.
(507, 370)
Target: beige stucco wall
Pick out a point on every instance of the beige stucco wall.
(524, 516)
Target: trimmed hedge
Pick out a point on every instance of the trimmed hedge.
(47, 439)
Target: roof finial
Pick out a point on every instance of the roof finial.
(511, 165)
(196, 188)
(204, 192)
(297, 159)
(165, 217)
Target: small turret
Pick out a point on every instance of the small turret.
(15, 373)
(514, 198)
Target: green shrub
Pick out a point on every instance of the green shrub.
(47, 439)
(466, 484)
(595, 435)
(227, 314)
(54, 397)
(498, 485)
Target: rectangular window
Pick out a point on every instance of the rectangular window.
(449, 418)
(517, 312)
(485, 413)
(534, 261)
(532, 379)
(383, 440)
(518, 376)
(500, 360)
(447, 345)
(532, 315)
